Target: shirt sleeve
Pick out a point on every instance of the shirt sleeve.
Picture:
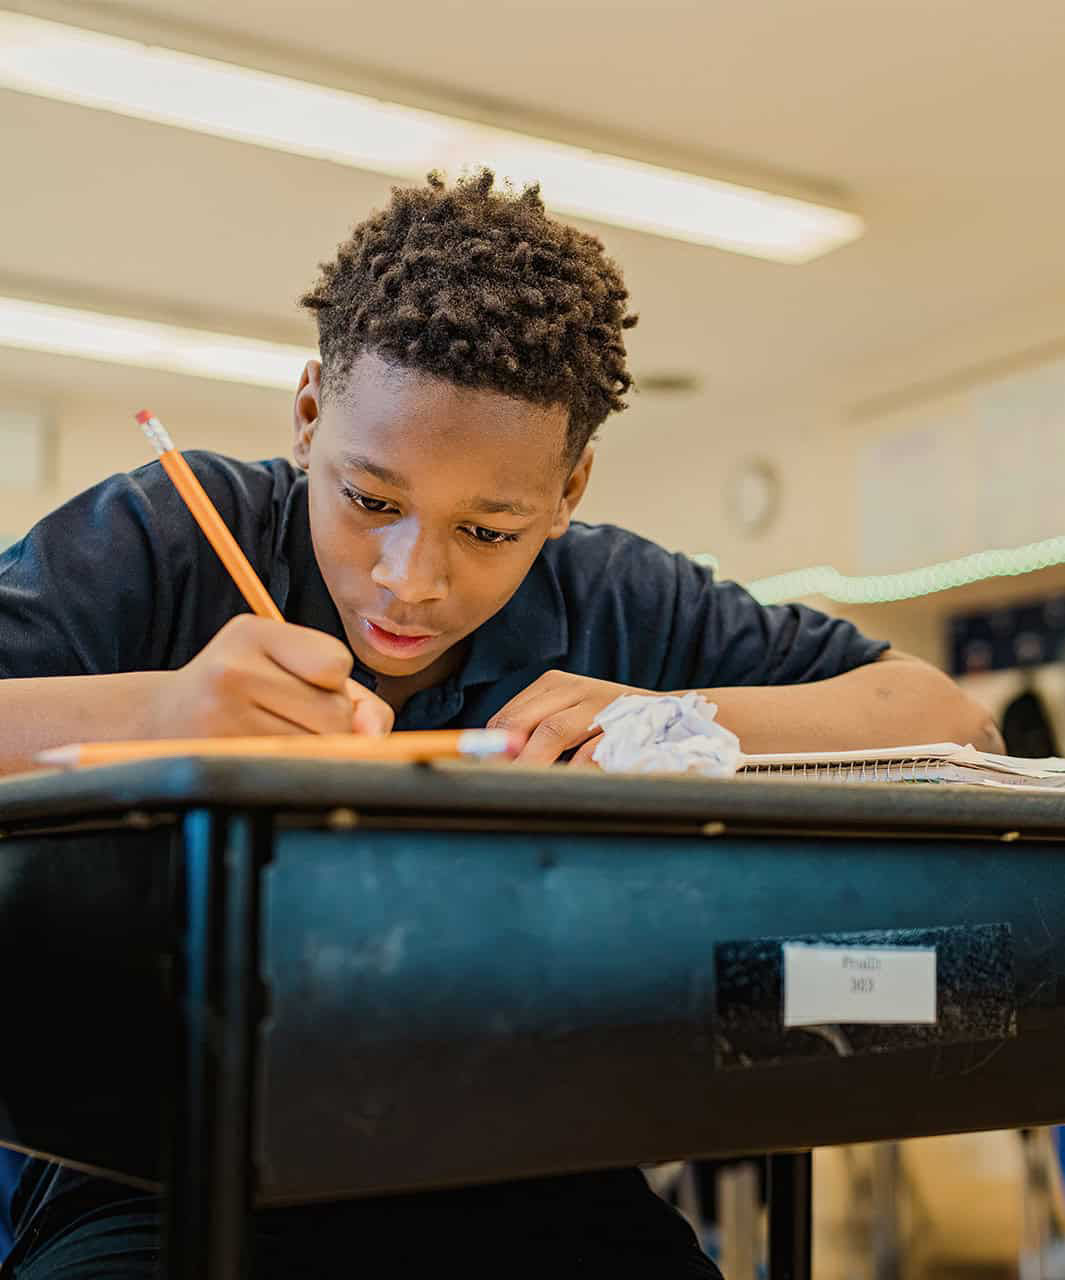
(112, 580)
(88, 590)
(721, 636)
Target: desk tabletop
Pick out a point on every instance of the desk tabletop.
(575, 797)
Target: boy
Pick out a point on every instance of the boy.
(470, 348)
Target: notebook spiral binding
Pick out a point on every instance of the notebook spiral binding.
(922, 769)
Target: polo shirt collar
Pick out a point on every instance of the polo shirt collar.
(531, 629)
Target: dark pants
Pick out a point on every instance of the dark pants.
(69, 1226)
(11, 1165)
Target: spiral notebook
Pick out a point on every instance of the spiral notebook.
(930, 762)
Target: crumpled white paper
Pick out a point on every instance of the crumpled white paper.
(666, 733)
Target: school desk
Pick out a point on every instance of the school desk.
(269, 981)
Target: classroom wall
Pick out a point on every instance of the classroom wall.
(665, 466)
(89, 409)
(662, 466)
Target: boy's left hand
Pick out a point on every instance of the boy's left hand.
(556, 712)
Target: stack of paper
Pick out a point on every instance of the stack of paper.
(930, 762)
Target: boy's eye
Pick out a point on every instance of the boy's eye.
(378, 506)
(490, 537)
(373, 505)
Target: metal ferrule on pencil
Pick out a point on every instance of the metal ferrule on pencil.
(156, 433)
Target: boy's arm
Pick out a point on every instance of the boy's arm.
(895, 701)
(54, 710)
(255, 677)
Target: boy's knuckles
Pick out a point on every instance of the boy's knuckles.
(555, 729)
(337, 713)
(223, 681)
(331, 669)
(241, 629)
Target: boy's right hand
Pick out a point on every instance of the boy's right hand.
(262, 677)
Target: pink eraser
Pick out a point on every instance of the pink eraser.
(144, 416)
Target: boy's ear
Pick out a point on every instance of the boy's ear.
(305, 411)
(572, 493)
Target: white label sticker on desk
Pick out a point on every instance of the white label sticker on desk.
(858, 984)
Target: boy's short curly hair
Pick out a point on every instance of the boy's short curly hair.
(483, 289)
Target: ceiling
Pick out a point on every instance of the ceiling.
(854, 91)
(939, 121)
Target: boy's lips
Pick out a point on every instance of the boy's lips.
(397, 642)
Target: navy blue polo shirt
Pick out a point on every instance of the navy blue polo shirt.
(121, 579)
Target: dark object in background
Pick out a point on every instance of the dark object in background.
(1026, 634)
(1026, 727)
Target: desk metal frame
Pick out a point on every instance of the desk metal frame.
(210, 1181)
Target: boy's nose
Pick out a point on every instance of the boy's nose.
(410, 566)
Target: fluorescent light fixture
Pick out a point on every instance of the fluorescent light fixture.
(53, 60)
(38, 326)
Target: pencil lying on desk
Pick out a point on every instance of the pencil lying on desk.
(398, 748)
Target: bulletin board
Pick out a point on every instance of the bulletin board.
(977, 470)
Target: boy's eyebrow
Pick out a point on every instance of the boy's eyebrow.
(359, 463)
(493, 507)
(484, 506)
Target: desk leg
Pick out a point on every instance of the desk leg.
(210, 1171)
(790, 1202)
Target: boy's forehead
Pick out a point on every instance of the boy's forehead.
(409, 413)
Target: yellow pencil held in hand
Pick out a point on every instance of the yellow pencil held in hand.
(214, 528)
(205, 513)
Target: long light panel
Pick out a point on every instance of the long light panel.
(37, 326)
(53, 60)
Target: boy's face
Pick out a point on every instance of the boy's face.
(428, 504)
